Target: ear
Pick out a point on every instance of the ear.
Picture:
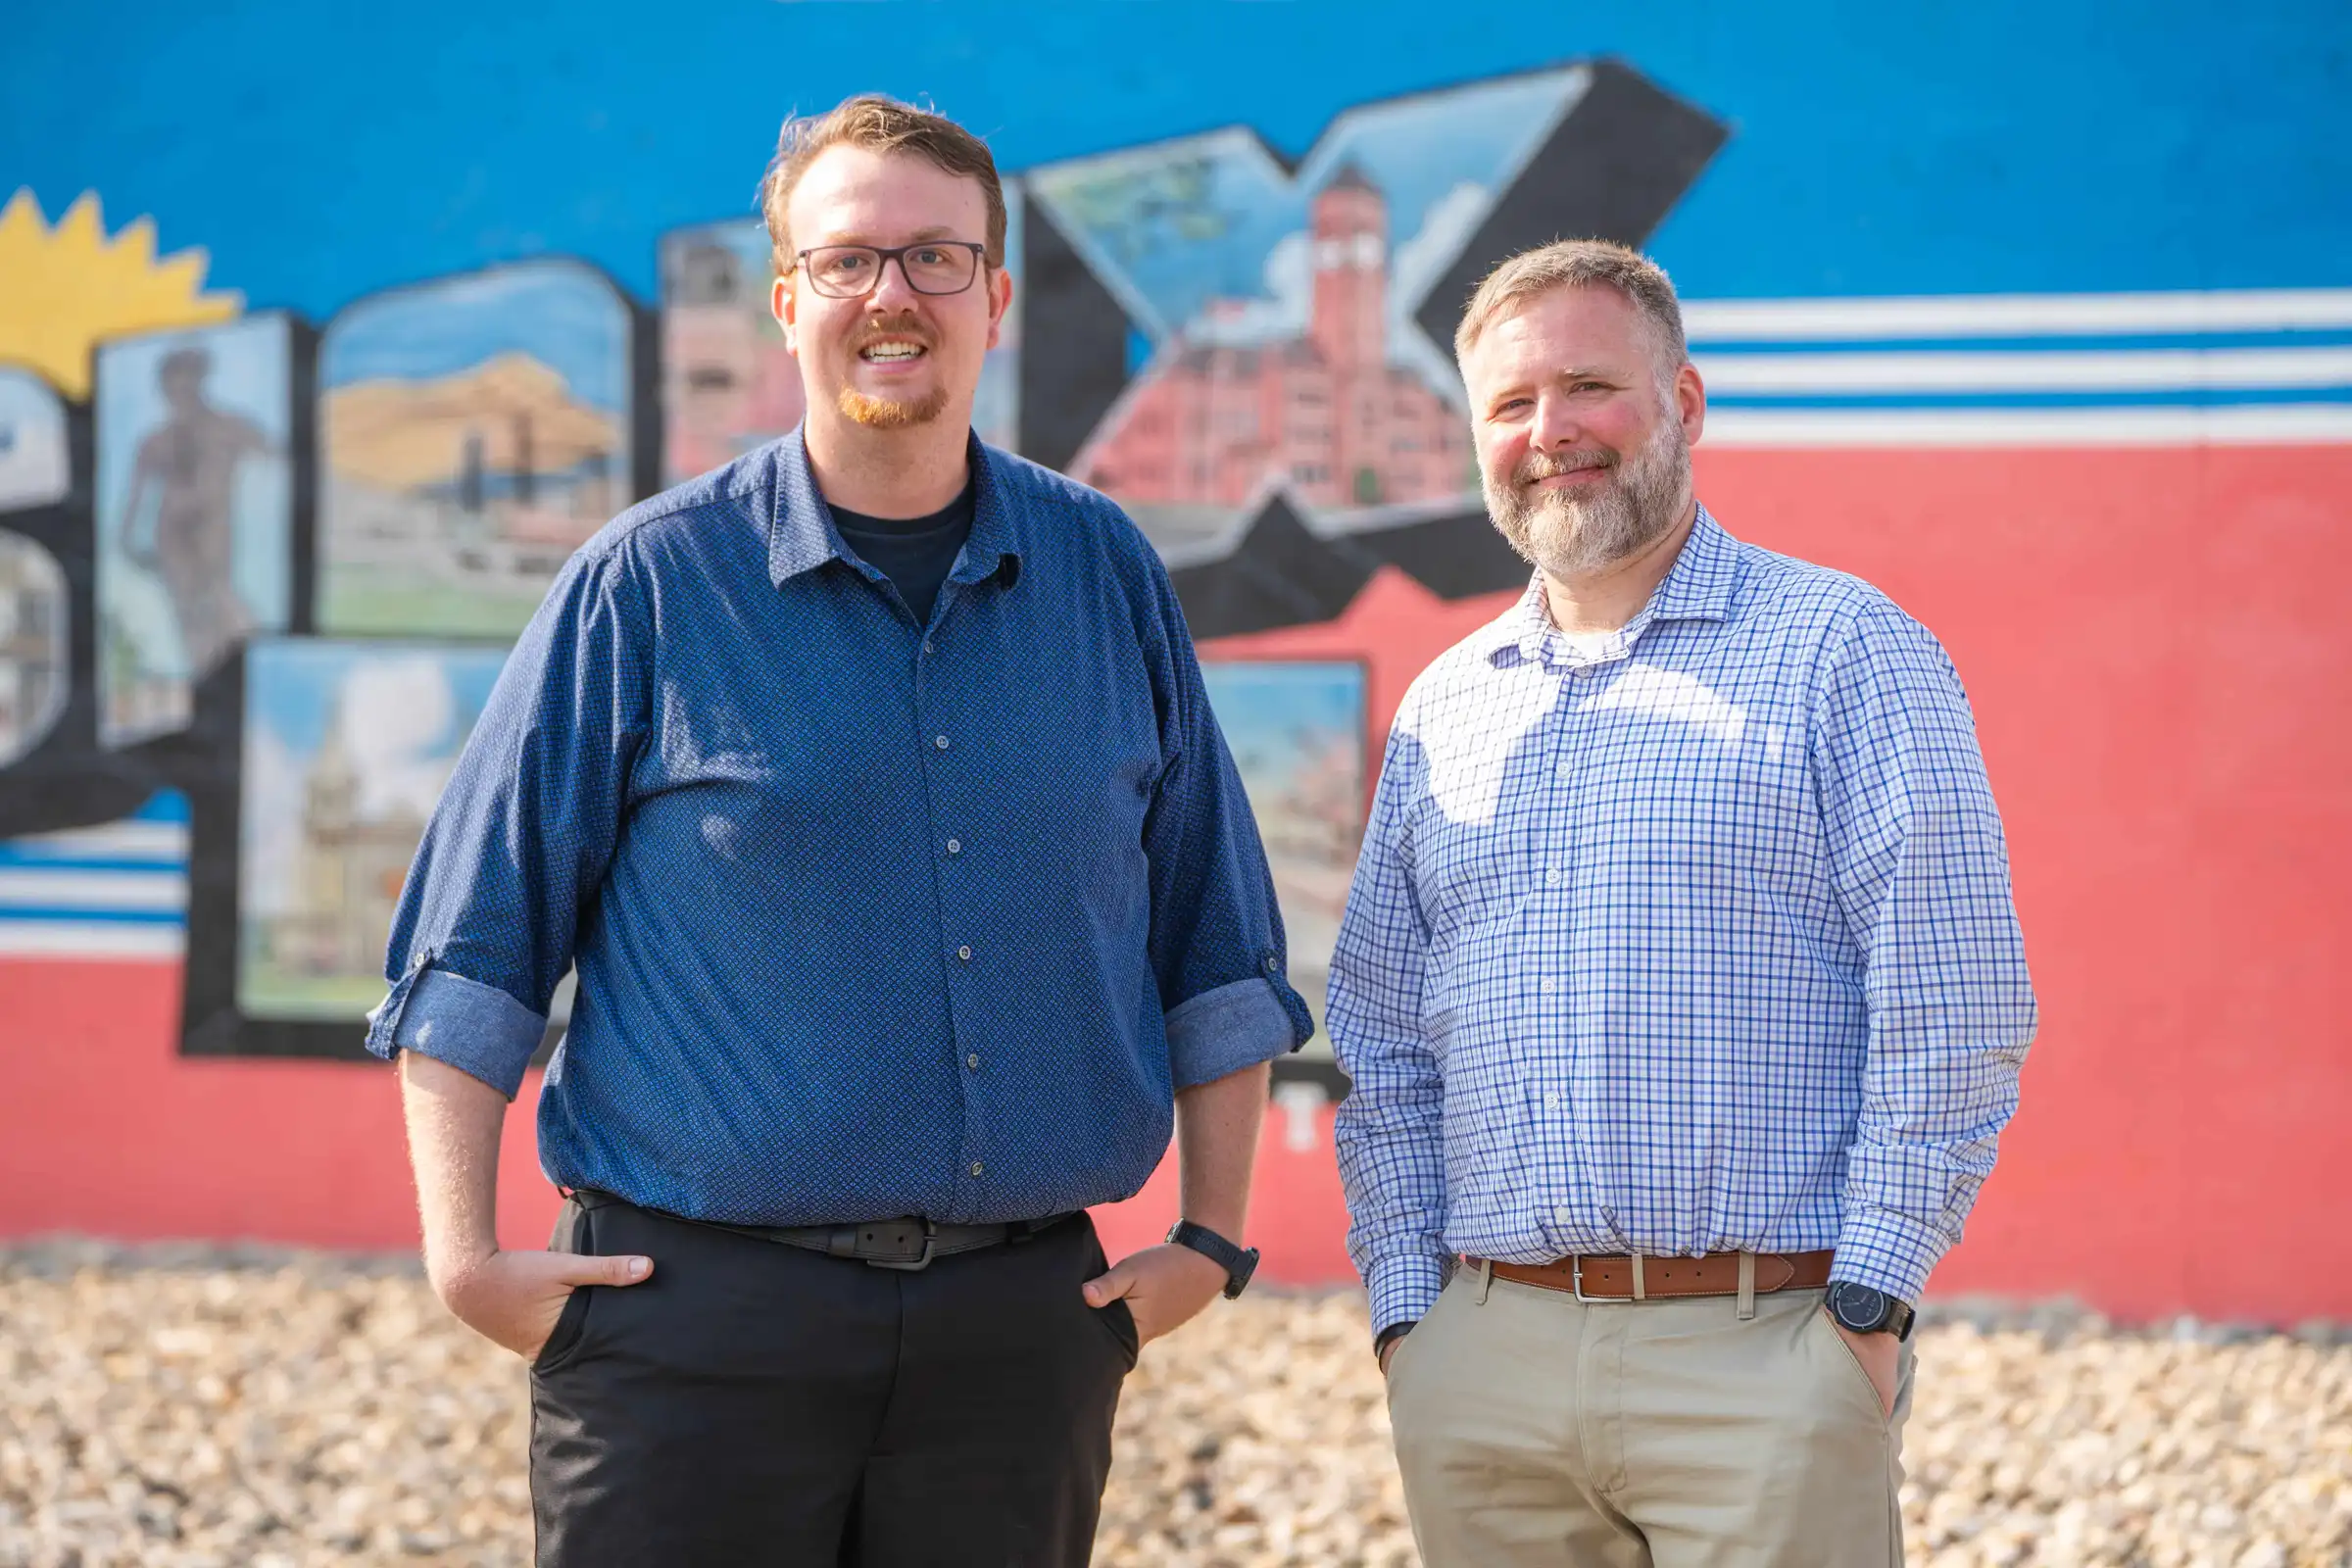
(1691, 402)
(999, 300)
(780, 305)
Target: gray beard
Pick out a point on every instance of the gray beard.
(1566, 534)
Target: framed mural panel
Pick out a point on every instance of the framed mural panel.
(472, 433)
(347, 745)
(1297, 730)
(36, 464)
(33, 650)
(195, 517)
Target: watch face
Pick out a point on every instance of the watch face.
(1859, 1307)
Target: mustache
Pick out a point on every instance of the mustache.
(905, 324)
(1548, 466)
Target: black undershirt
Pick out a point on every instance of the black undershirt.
(916, 554)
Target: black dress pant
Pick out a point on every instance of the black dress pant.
(755, 1404)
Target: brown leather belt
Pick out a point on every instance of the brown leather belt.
(1619, 1278)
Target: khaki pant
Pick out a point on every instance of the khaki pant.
(1533, 1428)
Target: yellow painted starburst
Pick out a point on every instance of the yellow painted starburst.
(63, 289)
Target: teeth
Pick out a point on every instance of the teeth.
(894, 351)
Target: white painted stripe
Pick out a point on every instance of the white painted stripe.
(2241, 425)
(164, 891)
(2118, 371)
(112, 939)
(2279, 310)
(163, 842)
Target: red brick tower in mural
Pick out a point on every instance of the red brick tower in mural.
(1324, 413)
(1350, 230)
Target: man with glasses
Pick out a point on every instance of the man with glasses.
(869, 783)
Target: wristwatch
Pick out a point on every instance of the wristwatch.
(1861, 1309)
(1238, 1262)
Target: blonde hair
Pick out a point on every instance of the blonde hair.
(1580, 264)
(884, 125)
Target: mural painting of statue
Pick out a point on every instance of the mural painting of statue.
(193, 512)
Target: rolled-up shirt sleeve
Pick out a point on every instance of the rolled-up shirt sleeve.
(1218, 947)
(516, 849)
(1922, 871)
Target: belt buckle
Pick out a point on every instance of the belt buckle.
(1576, 1281)
(917, 1263)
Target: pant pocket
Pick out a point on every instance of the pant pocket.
(1117, 1318)
(575, 1233)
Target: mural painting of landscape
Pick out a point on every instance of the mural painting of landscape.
(1297, 731)
(472, 433)
(347, 747)
(727, 383)
(1278, 306)
(195, 511)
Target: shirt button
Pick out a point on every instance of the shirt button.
(940, 741)
(972, 1061)
(965, 954)
(1551, 985)
(1551, 1101)
(1552, 878)
(927, 645)
(1564, 1215)
(976, 1167)
(954, 846)
(1273, 965)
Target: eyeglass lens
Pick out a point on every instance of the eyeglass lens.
(847, 271)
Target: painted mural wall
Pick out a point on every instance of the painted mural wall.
(261, 554)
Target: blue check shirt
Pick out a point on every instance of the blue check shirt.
(870, 918)
(1700, 940)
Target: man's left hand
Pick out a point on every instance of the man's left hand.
(1879, 1354)
(1163, 1287)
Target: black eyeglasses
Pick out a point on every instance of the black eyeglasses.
(853, 272)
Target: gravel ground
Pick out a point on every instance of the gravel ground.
(205, 1409)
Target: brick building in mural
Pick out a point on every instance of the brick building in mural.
(1327, 414)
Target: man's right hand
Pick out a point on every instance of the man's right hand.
(516, 1298)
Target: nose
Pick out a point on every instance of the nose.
(1555, 427)
(892, 292)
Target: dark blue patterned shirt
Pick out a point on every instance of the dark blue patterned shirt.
(870, 919)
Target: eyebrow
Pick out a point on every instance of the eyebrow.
(919, 236)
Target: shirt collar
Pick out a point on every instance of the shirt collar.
(800, 535)
(1699, 586)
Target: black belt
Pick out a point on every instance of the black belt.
(899, 1244)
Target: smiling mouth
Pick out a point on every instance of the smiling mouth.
(892, 351)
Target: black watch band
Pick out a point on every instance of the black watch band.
(1866, 1310)
(1238, 1262)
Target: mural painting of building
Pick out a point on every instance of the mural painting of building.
(1296, 732)
(1278, 308)
(195, 511)
(347, 747)
(1325, 412)
(727, 382)
(472, 435)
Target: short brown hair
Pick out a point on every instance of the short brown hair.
(884, 125)
(1581, 263)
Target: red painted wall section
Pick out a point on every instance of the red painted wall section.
(2155, 644)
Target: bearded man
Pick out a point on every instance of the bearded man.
(870, 784)
(1680, 988)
